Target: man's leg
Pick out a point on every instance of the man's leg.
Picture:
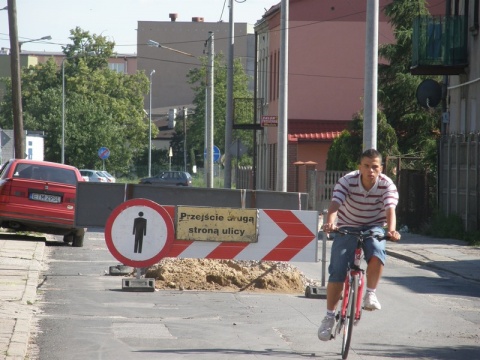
(374, 273)
(341, 253)
(334, 293)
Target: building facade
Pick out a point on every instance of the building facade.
(185, 44)
(326, 65)
(459, 150)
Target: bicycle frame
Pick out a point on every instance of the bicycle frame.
(354, 286)
(354, 270)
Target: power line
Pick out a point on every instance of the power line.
(270, 72)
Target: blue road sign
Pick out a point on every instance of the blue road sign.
(216, 153)
(103, 153)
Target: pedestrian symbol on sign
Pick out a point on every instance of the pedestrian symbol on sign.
(138, 247)
(139, 230)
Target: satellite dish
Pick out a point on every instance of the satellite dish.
(429, 93)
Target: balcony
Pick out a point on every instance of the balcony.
(439, 45)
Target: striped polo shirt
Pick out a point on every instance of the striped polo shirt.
(360, 207)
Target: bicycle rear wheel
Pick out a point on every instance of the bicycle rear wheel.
(350, 318)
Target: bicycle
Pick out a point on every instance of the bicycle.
(350, 311)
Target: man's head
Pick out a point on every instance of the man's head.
(370, 167)
(371, 154)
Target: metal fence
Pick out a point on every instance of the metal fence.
(459, 178)
(244, 177)
(320, 186)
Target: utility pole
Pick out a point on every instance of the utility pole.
(18, 133)
(283, 101)
(210, 111)
(150, 128)
(229, 110)
(371, 77)
(185, 139)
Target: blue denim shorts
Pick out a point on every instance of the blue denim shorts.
(343, 252)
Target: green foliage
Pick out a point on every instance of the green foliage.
(344, 154)
(415, 126)
(403, 126)
(452, 227)
(102, 107)
(473, 238)
(444, 226)
(196, 123)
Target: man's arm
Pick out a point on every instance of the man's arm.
(329, 221)
(392, 224)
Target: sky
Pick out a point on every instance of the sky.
(115, 19)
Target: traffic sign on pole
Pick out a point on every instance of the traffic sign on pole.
(103, 153)
(139, 233)
(216, 153)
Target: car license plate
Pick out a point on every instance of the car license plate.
(46, 198)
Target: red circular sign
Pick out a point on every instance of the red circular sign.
(139, 233)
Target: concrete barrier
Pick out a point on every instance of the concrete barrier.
(95, 201)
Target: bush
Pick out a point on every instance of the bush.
(446, 226)
(451, 226)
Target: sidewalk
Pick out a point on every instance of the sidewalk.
(450, 255)
(20, 266)
(21, 262)
(453, 256)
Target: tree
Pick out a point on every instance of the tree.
(102, 107)
(416, 127)
(196, 122)
(344, 154)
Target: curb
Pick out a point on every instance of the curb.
(416, 261)
(17, 348)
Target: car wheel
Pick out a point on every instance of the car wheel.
(78, 238)
(68, 238)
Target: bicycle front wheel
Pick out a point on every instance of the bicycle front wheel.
(350, 318)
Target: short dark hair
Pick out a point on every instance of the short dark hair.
(371, 154)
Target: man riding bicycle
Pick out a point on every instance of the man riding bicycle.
(364, 199)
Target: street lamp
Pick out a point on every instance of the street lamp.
(63, 102)
(156, 44)
(20, 43)
(150, 129)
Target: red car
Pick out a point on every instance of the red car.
(40, 196)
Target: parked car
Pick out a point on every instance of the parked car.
(40, 196)
(171, 178)
(110, 177)
(93, 175)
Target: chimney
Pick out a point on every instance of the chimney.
(197, 19)
(172, 116)
(173, 17)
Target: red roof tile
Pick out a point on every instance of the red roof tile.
(315, 130)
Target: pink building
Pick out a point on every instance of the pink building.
(326, 59)
(326, 65)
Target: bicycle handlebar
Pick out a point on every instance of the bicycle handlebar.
(361, 233)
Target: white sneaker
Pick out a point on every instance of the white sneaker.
(325, 330)
(370, 302)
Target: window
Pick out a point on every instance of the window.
(118, 67)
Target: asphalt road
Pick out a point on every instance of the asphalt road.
(85, 315)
